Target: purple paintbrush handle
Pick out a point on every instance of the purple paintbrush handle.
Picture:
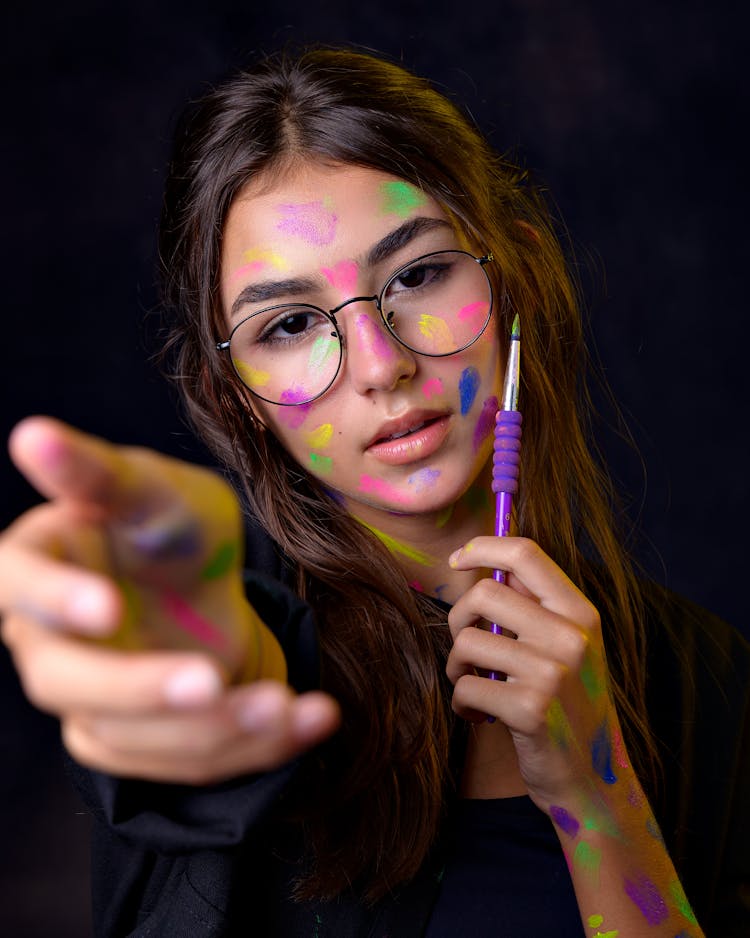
(506, 461)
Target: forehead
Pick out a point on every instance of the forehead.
(318, 207)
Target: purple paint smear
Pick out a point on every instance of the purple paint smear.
(486, 423)
(468, 385)
(565, 821)
(647, 897)
(311, 221)
(294, 417)
(424, 479)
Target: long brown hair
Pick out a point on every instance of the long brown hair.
(383, 780)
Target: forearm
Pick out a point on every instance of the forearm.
(623, 876)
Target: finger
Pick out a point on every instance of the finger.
(476, 649)
(209, 746)
(51, 591)
(551, 633)
(61, 675)
(63, 462)
(524, 559)
(521, 708)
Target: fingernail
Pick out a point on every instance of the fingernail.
(198, 684)
(453, 559)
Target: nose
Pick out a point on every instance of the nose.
(374, 359)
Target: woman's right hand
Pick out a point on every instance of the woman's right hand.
(124, 610)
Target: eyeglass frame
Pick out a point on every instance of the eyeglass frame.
(330, 314)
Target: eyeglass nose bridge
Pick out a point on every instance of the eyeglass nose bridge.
(355, 299)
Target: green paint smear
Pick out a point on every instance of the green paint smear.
(559, 728)
(588, 858)
(594, 687)
(401, 198)
(321, 463)
(681, 902)
(221, 562)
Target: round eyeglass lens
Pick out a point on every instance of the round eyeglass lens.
(286, 354)
(438, 304)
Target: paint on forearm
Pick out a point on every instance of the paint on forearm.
(595, 921)
(647, 898)
(681, 901)
(601, 754)
(588, 859)
(565, 821)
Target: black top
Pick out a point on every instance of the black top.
(184, 862)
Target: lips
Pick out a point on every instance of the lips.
(414, 436)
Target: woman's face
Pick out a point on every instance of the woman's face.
(396, 431)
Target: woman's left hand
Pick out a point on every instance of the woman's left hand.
(556, 700)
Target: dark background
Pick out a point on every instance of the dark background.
(633, 115)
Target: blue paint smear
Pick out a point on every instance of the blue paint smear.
(601, 755)
(468, 385)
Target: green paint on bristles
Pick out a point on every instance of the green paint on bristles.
(321, 463)
(515, 329)
(221, 562)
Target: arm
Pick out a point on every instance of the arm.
(566, 736)
(126, 615)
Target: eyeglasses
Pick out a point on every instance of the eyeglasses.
(436, 305)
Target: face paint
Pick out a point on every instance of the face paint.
(587, 859)
(644, 894)
(601, 755)
(399, 547)
(681, 901)
(424, 479)
(293, 417)
(486, 423)
(371, 486)
(190, 621)
(435, 329)
(432, 386)
(312, 222)
(343, 277)
(320, 437)
(251, 376)
(401, 198)
(322, 464)
(372, 338)
(565, 821)
(322, 349)
(256, 259)
(468, 385)
(221, 561)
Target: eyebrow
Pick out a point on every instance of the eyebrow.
(300, 286)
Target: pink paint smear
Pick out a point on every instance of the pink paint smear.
(311, 221)
(378, 487)
(190, 621)
(431, 387)
(372, 338)
(343, 277)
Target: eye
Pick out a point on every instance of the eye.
(297, 323)
(418, 277)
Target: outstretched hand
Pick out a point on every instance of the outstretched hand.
(125, 613)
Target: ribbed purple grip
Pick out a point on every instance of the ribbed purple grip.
(507, 451)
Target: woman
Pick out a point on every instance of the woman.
(343, 259)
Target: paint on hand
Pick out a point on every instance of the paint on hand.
(343, 277)
(486, 422)
(653, 828)
(432, 386)
(190, 621)
(635, 797)
(424, 479)
(595, 920)
(590, 679)
(565, 821)
(322, 464)
(601, 754)
(416, 585)
(401, 198)
(399, 547)
(221, 561)
(372, 486)
(322, 349)
(468, 385)
(320, 437)
(618, 749)
(644, 894)
(165, 537)
(558, 726)
(256, 259)
(606, 934)
(588, 859)
(436, 330)
(253, 377)
(372, 338)
(313, 222)
(681, 901)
